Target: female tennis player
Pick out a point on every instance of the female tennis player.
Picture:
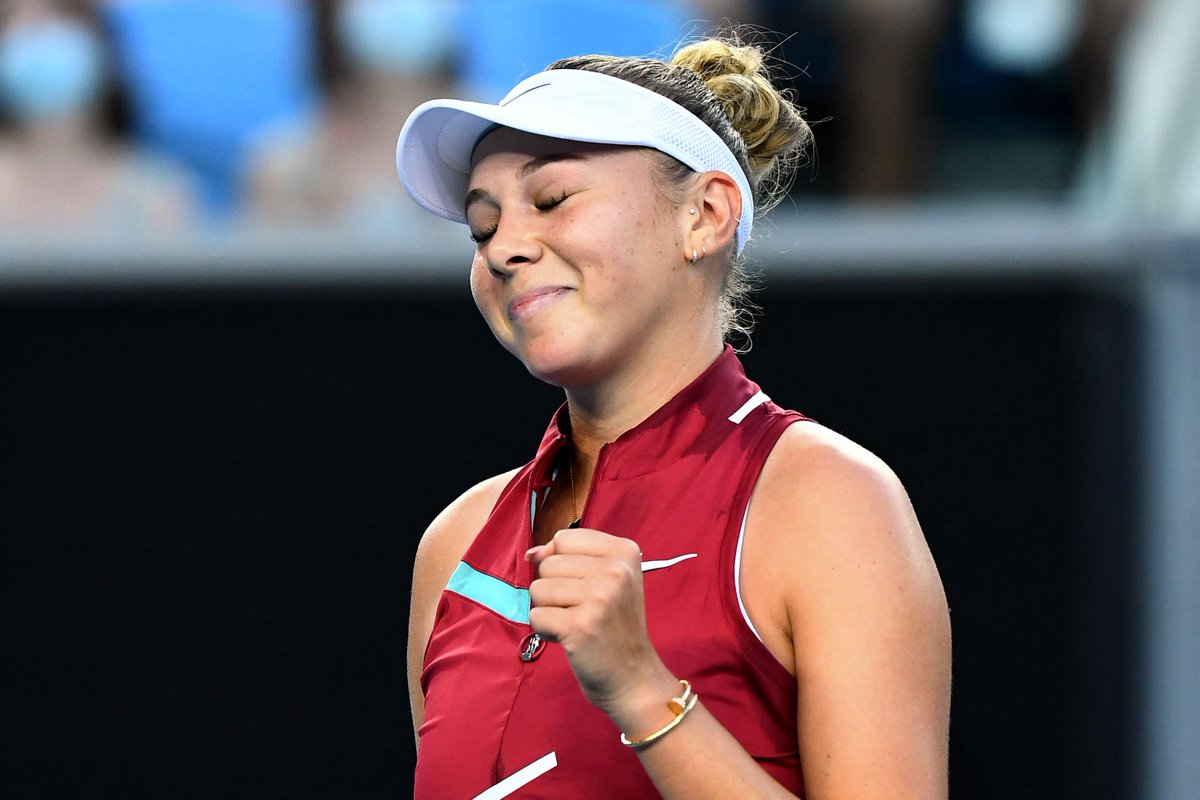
(689, 591)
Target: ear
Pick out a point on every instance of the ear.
(719, 206)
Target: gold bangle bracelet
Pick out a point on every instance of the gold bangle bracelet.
(679, 706)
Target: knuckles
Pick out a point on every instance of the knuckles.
(537, 594)
(632, 550)
(584, 622)
(597, 599)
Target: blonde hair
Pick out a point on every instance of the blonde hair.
(728, 85)
(770, 125)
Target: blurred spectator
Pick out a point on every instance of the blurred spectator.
(1144, 160)
(1104, 25)
(206, 76)
(504, 41)
(888, 52)
(929, 95)
(382, 58)
(61, 166)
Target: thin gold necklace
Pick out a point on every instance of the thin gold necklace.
(575, 518)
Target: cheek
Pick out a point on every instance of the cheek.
(623, 240)
(644, 247)
(483, 289)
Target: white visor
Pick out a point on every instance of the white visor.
(433, 155)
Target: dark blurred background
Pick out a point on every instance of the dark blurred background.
(240, 372)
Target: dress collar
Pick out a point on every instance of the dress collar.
(685, 426)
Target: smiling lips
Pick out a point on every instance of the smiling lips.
(529, 303)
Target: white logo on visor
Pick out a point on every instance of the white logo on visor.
(508, 100)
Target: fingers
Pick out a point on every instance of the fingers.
(574, 580)
(579, 608)
(588, 598)
(588, 576)
(551, 622)
(558, 592)
(585, 542)
(569, 566)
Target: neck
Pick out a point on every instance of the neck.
(600, 414)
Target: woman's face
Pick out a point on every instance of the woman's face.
(580, 267)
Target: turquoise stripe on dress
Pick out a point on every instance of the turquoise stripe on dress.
(506, 600)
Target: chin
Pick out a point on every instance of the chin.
(559, 364)
(553, 373)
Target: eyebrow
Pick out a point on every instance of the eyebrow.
(534, 164)
(475, 196)
(524, 171)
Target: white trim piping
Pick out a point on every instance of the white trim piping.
(737, 574)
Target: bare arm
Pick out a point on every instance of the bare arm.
(837, 578)
(439, 552)
(865, 628)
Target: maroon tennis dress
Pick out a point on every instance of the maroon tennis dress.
(504, 715)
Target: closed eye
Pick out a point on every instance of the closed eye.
(540, 205)
(546, 205)
(480, 238)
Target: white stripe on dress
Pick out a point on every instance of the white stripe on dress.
(754, 402)
(520, 778)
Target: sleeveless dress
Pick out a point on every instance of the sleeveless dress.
(502, 708)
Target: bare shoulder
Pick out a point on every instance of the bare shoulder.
(810, 445)
(453, 530)
(843, 588)
(440, 550)
(831, 535)
(851, 602)
(840, 494)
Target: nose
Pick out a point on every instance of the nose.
(515, 242)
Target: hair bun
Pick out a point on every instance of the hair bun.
(771, 125)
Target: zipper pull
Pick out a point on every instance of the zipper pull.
(533, 646)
